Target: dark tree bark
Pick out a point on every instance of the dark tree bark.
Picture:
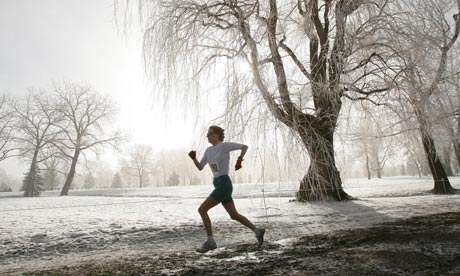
(323, 179)
(441, 182)
(446, 160)
(71, 174)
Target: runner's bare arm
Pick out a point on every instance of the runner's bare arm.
(243, 152)
(197, 164)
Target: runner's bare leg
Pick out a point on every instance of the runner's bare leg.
(203, 210)
(231, 210)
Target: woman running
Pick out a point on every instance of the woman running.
(218, 158)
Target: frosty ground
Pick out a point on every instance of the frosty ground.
(154, 231)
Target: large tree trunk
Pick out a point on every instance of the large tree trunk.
(322, 180)
(446, 161)
(71, 174)
(441, 182)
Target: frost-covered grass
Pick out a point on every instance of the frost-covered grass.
(163, 219)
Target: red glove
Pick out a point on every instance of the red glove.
(192, 154)
(238, 164)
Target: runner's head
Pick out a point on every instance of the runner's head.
(217, 131)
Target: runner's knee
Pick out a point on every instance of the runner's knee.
(234, 216)
(202, 210)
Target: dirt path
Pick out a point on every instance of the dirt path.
(425, 245)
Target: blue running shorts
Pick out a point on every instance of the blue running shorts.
(223, 189)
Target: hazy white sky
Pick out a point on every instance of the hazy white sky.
(54, 40)
(78, 40)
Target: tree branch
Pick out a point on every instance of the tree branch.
(294, 58)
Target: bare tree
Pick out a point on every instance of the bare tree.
(449, 121)
(7, 146)
(415, 155)
(139, 163)
(381, 146)
(35, 124)
(423, 36)
(86, 116)
(300, 53)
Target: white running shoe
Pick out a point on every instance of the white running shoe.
(260, 232)
(207, 246)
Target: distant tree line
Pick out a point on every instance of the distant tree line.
(52, 129)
